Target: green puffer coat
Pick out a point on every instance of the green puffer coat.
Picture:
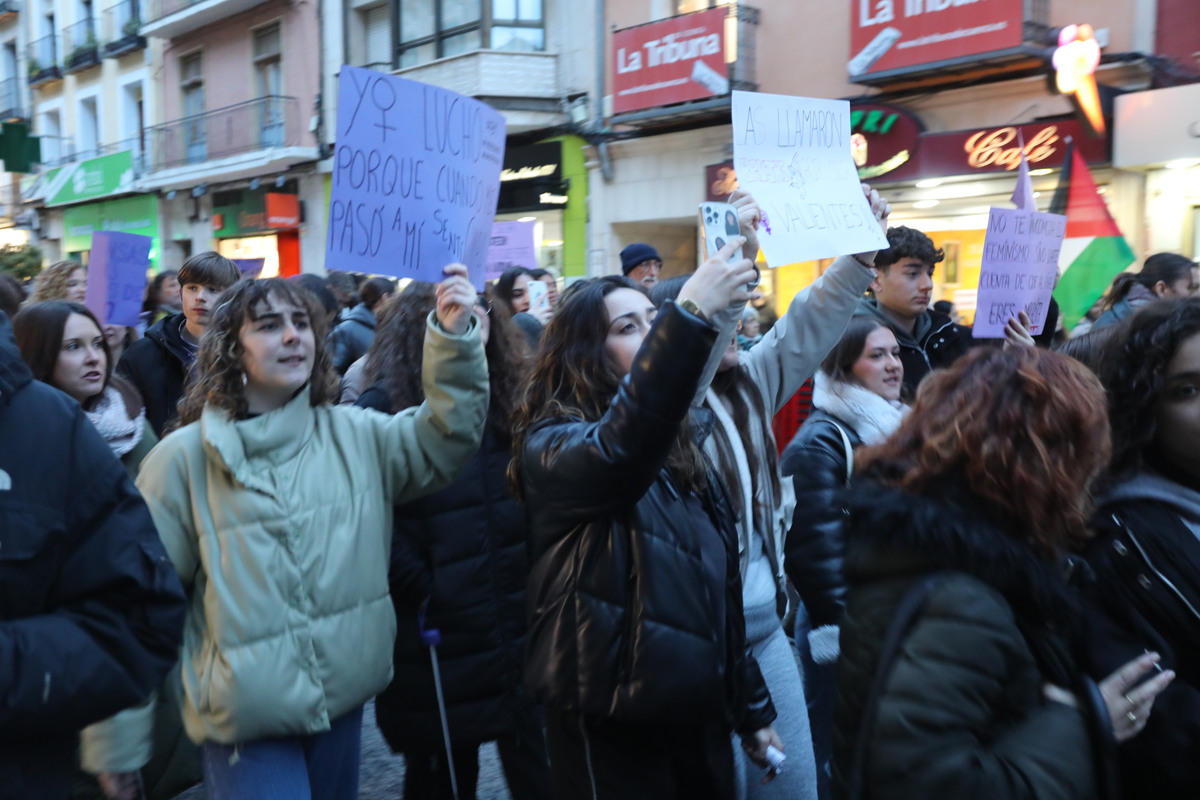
(280, 527)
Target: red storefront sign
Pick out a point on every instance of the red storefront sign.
(884, 140)
(671, 61)
(998, 150)
(903, 35)
(283, 210)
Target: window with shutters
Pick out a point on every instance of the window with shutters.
(377, 25)
(268, 79)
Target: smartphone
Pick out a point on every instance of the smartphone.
(719, 224)
(539, 295)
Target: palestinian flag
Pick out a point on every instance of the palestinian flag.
(1093, 250)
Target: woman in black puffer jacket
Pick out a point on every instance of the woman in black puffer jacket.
(977, 499)
(856, 400)
(460, 558)
(637, 643)
(1146, 553)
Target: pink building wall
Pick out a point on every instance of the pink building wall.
(229, 75)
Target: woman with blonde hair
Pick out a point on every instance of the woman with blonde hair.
(62, 280)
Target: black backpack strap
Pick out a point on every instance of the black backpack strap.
(906, 614)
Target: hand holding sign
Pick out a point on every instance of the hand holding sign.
(793, 154)
(416, 178)
(455, 300)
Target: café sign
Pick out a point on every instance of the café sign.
(999, 150)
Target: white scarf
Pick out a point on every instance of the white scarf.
(873, 418)
(111, 418)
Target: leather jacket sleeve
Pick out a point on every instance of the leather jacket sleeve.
(582, 470)
(815, 544)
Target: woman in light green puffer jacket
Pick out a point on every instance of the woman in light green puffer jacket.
(275, 508)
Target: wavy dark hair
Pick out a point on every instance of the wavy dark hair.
(1024, 430)
(219, 371)
(1134, 370)
(503, 288)
(905, 242)
(39, 328)
(574, 378)
(395, 358)
(1166, 267)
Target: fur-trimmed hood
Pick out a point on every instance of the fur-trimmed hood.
(892, 533)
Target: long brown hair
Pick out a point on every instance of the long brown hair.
(39, 328)
(1025, 429)
(51, 283)
(219, 372)
(574, 378)
(396, 356)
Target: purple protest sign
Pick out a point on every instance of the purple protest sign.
(117, 276)
(511, 246)
(250, 268)
(416, 178)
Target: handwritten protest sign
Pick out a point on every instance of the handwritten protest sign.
(416, 177)
(1019, 269)
(511, 246)
(117, 276)
(793, 155)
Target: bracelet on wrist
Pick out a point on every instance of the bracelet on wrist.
(868, 264)
(689, 305)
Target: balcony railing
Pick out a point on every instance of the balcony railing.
(10, 100)
(82, 48)
(123, 24)
(266, 122)
(44, 60)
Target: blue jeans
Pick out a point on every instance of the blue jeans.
(323, 766)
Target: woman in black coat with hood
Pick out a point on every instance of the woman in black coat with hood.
(459, 566)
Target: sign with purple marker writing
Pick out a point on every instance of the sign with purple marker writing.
(416, 176)
(793, 154)
(117, 276)
(511, 246)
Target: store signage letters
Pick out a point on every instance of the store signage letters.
(883, 141)
(999, 150)
(671, 61)
(903, 36)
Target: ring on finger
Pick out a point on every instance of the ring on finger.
(1128, 700)
(1131, 716)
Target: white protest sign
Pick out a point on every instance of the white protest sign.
(793, 155)
(511, 246)
(416, 176)
(1019, 269)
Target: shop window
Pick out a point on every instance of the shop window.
(432, 29)
(268, 79)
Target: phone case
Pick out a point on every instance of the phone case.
(719, 223)
(539, 294)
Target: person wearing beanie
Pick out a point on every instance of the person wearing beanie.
(641, 264)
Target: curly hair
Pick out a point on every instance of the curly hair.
(1134, 370)
(905, 242)
(51, 283)
(219, 369)
(396, 356)
(1025, 430)
(574, 378)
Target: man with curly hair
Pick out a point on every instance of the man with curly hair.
(902, 290)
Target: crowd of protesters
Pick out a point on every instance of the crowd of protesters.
(558, 518)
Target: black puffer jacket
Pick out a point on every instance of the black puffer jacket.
(158, 365)
(816, 461)
(935, 343)
(963, 713)
(91, 610)
(464, 551)
(635, 592)
(1147, 596)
